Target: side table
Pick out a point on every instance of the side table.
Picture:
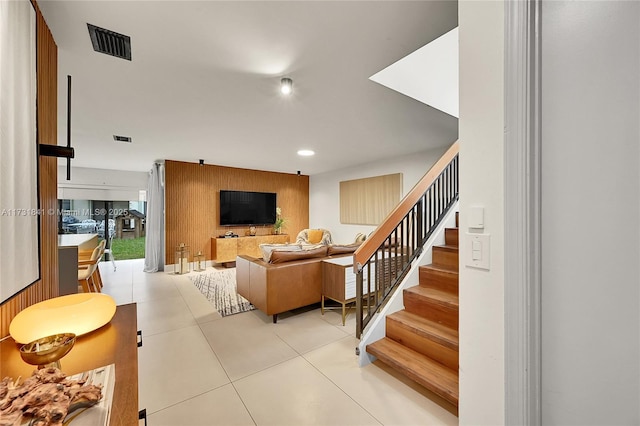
(339, 282)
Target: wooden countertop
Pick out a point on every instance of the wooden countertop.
(114, 343)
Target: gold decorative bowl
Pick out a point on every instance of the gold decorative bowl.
(48, 350)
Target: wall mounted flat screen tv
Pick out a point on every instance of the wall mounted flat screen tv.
(247, 208)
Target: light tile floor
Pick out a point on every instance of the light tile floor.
(197, 368)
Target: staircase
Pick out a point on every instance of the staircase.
(422, 340)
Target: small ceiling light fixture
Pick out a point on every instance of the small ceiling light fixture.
(202, 162)
(306, 153)
(286, 86)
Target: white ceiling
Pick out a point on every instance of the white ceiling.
(203, 82)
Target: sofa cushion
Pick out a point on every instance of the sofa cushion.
(315, 235)
(288, 256)
(267, 249)
(342, 249)
(311, 246)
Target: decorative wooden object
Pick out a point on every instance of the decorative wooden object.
(225, 250)
(115, 343)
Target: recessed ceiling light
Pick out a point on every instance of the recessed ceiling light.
(286, 86)
(306, 152)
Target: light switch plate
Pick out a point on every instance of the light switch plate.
(476, 217)
(478, 250)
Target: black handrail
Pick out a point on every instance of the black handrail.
(379, 277)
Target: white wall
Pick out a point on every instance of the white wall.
(481, 26)
(100, 184)
(324, 189)
(590, 217)
(590, 213)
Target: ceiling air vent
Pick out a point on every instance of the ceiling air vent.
(110, 42)
(122, 138)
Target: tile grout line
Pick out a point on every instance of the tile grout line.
(231, 382)
(337, 386)
(244, 403)
(301, 355)
(182, 328)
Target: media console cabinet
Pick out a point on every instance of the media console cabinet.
(225, 250)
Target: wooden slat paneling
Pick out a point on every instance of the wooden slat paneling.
(192, 194)
(47, 287)
(368, 201)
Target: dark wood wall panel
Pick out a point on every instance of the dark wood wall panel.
(47, 287)
(192, 193)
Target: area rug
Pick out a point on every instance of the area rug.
(219, 287)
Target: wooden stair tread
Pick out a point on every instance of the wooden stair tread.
(447, 247)
(432, 375)
(441, 297)
(432, 330)
(441, 268)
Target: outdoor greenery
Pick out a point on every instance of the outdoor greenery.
(130, 248)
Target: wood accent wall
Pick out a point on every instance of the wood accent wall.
(192, 194)
(47, 287)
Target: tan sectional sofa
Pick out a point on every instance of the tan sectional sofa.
(288, 281)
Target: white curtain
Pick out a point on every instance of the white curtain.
(19, 214)
(154, 243)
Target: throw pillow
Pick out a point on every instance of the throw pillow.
(314, 235)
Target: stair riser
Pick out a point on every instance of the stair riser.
(407, 336)
(445, 257)
(427, 308)
(439, 280)
(451, 236)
